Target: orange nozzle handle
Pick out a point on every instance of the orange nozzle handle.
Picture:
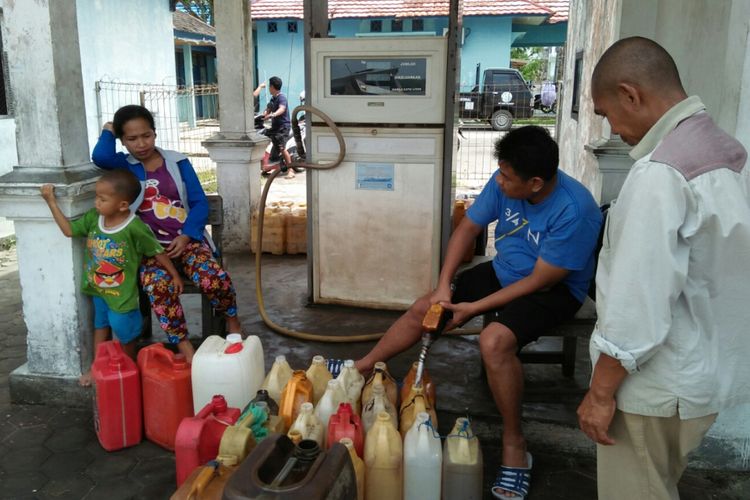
(433, 320)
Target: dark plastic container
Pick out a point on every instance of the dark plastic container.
(262, 395)
(277, 469)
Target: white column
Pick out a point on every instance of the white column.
(187, 59)
(44, 69)
(236, 149)
(234, 60)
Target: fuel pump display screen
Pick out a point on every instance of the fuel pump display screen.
(381, 76)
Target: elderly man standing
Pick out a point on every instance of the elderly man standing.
(671, 345)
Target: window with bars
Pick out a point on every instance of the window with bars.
(397, 25)
(577, 78)
(3, 94)
(376, 26)
(417, 25)
(271, 28)
(291, 27)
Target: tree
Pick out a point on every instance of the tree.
(534, 70)
(536, 64)
(203, 9)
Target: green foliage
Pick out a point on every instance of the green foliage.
(534, 70)
(204, 9)
(208, 180)
(537, 120)
(535, 65)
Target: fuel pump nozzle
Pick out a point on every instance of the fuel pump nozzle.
(433, 324)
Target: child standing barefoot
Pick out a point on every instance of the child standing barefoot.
(116, 243)
(175, 207)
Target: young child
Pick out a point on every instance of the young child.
(175, 207)
(116, 241)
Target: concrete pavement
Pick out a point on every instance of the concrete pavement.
(48, 452)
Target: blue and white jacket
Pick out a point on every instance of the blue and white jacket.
(188, 186)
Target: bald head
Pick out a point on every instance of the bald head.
(637, 61)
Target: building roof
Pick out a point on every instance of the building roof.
(560, 8)
(556, 10)
(188, 23)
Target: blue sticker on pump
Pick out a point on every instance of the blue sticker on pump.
(375, 176)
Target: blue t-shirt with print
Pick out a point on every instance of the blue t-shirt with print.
(562, 229)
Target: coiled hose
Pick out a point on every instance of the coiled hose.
(258, 253)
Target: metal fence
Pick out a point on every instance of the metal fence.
(184, 116)
(480, 110)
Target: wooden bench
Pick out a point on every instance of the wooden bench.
(581, 325)
(212, 323)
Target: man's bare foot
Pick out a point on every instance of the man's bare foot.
(290, 174)
(514, 454)
(85, 379)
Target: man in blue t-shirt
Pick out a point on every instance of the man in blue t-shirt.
(278, 111)
(546, 234)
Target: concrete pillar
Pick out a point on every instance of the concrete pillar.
(44, 68)
(236, 149)
(187, 59)
(238, 182)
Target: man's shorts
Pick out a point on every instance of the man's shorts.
(278, 139)
(528, 317)
(125, 326)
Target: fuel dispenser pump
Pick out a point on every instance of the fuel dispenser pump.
(376, 218)
(376, 116)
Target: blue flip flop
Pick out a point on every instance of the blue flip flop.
(334, 366)
(515, 480)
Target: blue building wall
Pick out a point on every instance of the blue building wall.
(487, 42)
(545, 36)
(280, 53)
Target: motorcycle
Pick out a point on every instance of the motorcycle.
(272, 158)
(547, 100)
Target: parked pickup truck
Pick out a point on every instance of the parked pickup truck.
(502, 96)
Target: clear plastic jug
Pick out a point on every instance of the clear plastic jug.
(462, 464)
(380, 374)
(377, 404)
(319, 376)
(308, 425)
(412, 405)
(423, 461)
(383, 461)
(352, 381)
(359, 467)
(277, 377)
(427, 385)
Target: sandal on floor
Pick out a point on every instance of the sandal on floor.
(514, 480)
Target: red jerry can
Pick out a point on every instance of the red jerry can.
(346, 424)
(167, 393)
(117, 398)
(198, 437)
